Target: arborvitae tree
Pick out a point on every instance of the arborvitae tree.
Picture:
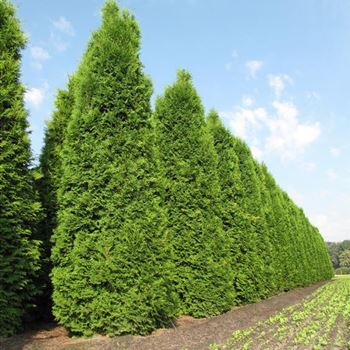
(110, 249)
(325, 265)
(251, 202)
(48, 184)
(279, 225)
(274, 237)
(50, 159)
(303, 270)
(19, 209)
(202, 274)
(293, 248)
(236, 224)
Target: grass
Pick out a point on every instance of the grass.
(320, 321)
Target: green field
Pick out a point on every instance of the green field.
(321, 321)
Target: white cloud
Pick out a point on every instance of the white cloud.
(64, 26)
(39, 54)
(278, 83)
(253, 67)
(34, 96)
(335, 151)
(280, 131)
(59, 44)
(244, 119)
(288, 136)
(62, 29)
(247, 101)
(332, 175)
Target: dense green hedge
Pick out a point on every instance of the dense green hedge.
(111, 268)
(160, 215)
(146, 215)
(19, 207)
(202, 274)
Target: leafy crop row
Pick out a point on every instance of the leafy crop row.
(321, 320)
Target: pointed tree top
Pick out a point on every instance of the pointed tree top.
(214, 120)
(109, 9)
(184, 75)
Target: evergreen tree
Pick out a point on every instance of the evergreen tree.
(237, 224)
(110, 249)
(202, 274)
(50, 159)
(19, 209)
(252, 203)
(270, 228)
(48, 184)
(277, 223)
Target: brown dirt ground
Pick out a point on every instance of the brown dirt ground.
(189, 333)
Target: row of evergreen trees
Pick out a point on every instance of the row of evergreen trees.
(145, 215)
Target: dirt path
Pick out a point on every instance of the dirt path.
(189, 334)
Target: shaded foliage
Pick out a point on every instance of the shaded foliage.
(335, 249)
(48, 183)
(19, 208)
(344, 259)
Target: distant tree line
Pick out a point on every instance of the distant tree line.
(339, 253)
(145, 214)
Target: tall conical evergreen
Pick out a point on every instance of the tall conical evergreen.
(202, 274)
(251, 202)
(48, 184)
(110, 249)
(19, 209)
(273, 236)
(277, 223)
(50, 159)
(237, 224)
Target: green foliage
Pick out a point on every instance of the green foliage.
(342, 271)
(50, 159)
(154, 216)
(251, 202)
(202, 274)
(275, 248)
(237, 224)
(48, 184)
(335, 249)
(111, 255)
(344, 259)
(19, 209)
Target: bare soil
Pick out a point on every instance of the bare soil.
(188, 333)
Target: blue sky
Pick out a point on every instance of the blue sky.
(276, 71)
